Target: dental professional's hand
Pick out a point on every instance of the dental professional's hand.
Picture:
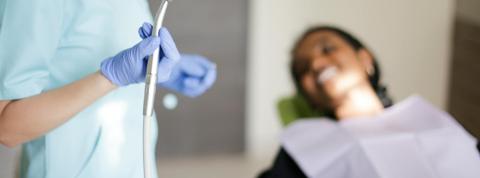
(130, 65)
(192, 76)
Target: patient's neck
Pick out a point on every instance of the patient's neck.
(360, 101)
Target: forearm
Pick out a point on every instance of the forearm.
(28, 118)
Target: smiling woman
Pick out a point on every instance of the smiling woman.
(323, 49)
(358, 137)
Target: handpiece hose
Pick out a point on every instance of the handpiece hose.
(150, 89)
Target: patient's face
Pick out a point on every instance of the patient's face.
(330, 68)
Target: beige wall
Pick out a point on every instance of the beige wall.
(410, 37)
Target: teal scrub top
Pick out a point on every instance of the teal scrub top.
(47, 44)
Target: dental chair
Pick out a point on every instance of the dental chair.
(295, 107)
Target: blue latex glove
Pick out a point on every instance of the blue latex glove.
(130, 65)
(192, 76)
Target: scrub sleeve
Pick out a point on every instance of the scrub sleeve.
(29, 37)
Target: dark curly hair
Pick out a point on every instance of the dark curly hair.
(374, 77)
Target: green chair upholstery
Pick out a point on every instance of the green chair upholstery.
(295, 107)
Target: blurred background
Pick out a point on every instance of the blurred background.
(424, 47)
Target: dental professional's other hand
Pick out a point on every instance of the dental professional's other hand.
(192, 76)
(130, 65)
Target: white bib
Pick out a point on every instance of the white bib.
(411, 139)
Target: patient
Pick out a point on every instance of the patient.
(361, 134)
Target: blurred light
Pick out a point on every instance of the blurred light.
(111, 115)
(170, 101)
(361, 101)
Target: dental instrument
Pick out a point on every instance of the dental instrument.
(150, 89)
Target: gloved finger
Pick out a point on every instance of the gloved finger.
(169, 48)
(210, 78)
(145, 30)
(165, 69)
(192, 68)
(191, 83)
(146, 47)
(194, 87)
(203, 61)
(193, 92)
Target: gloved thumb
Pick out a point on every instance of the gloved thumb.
(146, 47)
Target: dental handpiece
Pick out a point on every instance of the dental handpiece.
(150, 89)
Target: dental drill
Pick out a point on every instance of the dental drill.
(150, 89)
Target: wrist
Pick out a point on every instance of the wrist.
(104, 81)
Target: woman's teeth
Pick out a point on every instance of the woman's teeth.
(326, 74)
